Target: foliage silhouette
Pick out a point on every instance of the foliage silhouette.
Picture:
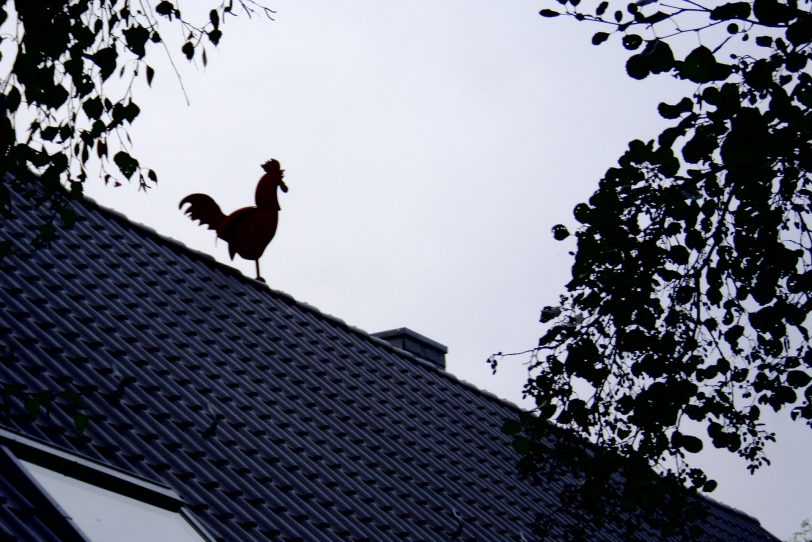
(66, 102)
(248, 230)
(803, 535)
(63, 113)
(688, 308)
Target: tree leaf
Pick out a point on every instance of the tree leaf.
(799, 33)
(700, 147)
(125, 163)
(798, 379)
(549, 313)
(136, 38)
(661, 58)
(771, 12)
(656, 17)
(13, 99)
(92, 108)
(667, 111)
(700, 66)
(560, 232)
(188, 49)
(679, 255)
(632, 41)
(688, 443)
(165, 8)
(656, 57)
(599, 37)
(731, 10)
(105, 59)
(49, 133)
(54, 96)
(122, 112)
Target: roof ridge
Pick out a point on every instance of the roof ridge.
(734, 510)
(289, 298)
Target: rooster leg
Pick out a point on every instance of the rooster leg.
(259, 277)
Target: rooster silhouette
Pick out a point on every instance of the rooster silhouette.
(248, 230)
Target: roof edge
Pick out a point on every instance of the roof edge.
(289, 298)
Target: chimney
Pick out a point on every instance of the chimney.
(415, 343)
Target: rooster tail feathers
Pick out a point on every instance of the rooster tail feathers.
(203, 208)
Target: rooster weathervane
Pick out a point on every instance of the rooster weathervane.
(248, 230)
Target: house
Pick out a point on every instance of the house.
(215, 408)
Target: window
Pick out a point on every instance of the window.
(103, 504)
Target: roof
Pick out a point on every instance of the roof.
(269, 419)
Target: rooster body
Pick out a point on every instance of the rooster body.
(248, 230)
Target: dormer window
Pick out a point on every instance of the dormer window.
(100, 503)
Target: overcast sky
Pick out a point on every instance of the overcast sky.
(429, 147)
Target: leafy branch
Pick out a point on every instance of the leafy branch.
(688, 307)
(64, 112)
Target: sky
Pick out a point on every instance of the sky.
(429, 148)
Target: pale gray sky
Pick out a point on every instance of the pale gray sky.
(429, 147)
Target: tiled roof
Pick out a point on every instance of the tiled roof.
(270, 419)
